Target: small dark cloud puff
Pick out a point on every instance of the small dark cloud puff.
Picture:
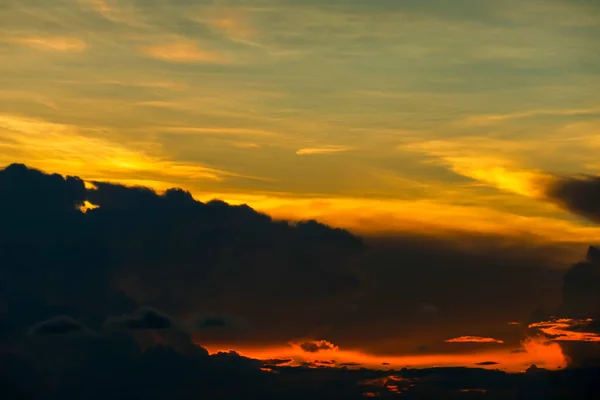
(212, 323)
(317, 346)
(486, 363)
(353, 364)
(58, 326)
(143, 319)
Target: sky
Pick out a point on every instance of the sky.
(371, 115)
(448, 150)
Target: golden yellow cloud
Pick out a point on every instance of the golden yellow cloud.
(232, 26)
(389, 216)
(185, 51)
(493, 118)
(53, 43)
(320, 150)
(487, 161)
(64, 149)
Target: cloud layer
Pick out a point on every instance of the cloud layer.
(124, 292)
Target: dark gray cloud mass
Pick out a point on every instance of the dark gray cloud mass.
(80, 294)
(57, 326)
(579, 195)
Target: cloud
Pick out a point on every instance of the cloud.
(473, 339)
(277, 361)
(53, 145)
(320, 150)
(184, 257)
(317, 346)
(487, 363)
(185, 51)
(581, 287)
(55, 43)
(96, 256)
(566, 329)
(488, 161)
(171, 252)
(58, 326)
(212, 322)
(143, 319)
(417, 217)
(579, 195)
(487, 119)
(576, 326)
(118, 12)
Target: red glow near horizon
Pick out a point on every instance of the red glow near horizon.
(534, 350)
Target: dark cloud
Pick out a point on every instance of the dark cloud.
(35, 192)
(484, 363)
(316, 346)
(581, 287)
(171, 253)
(57, 326)
(277, 361)
(184, 257)
(325, 362)
(576, 325)
(352, 364)
(579, 195)
(142, 319)
(166, 251)
(211, 322)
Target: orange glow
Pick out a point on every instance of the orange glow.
(535, 350)
(382, 216)
(563, 330)
(87, 206)
(483, 391)
(474, 339)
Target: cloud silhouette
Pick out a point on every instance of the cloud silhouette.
(212, 323)
(576, 326)
(143, 319)
(317, 346)
(57, 326)
(473, 339)
(168, 252)
(579, 195)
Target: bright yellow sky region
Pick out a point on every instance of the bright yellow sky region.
(374, 115)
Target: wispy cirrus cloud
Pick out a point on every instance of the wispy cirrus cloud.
(121, 12)
(488, 161)
(59, 146)
(62, 44)
(320, 150)
(494, 118)
(185, 51)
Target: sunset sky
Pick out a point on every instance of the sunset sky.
(375, 115)
(459, 138)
